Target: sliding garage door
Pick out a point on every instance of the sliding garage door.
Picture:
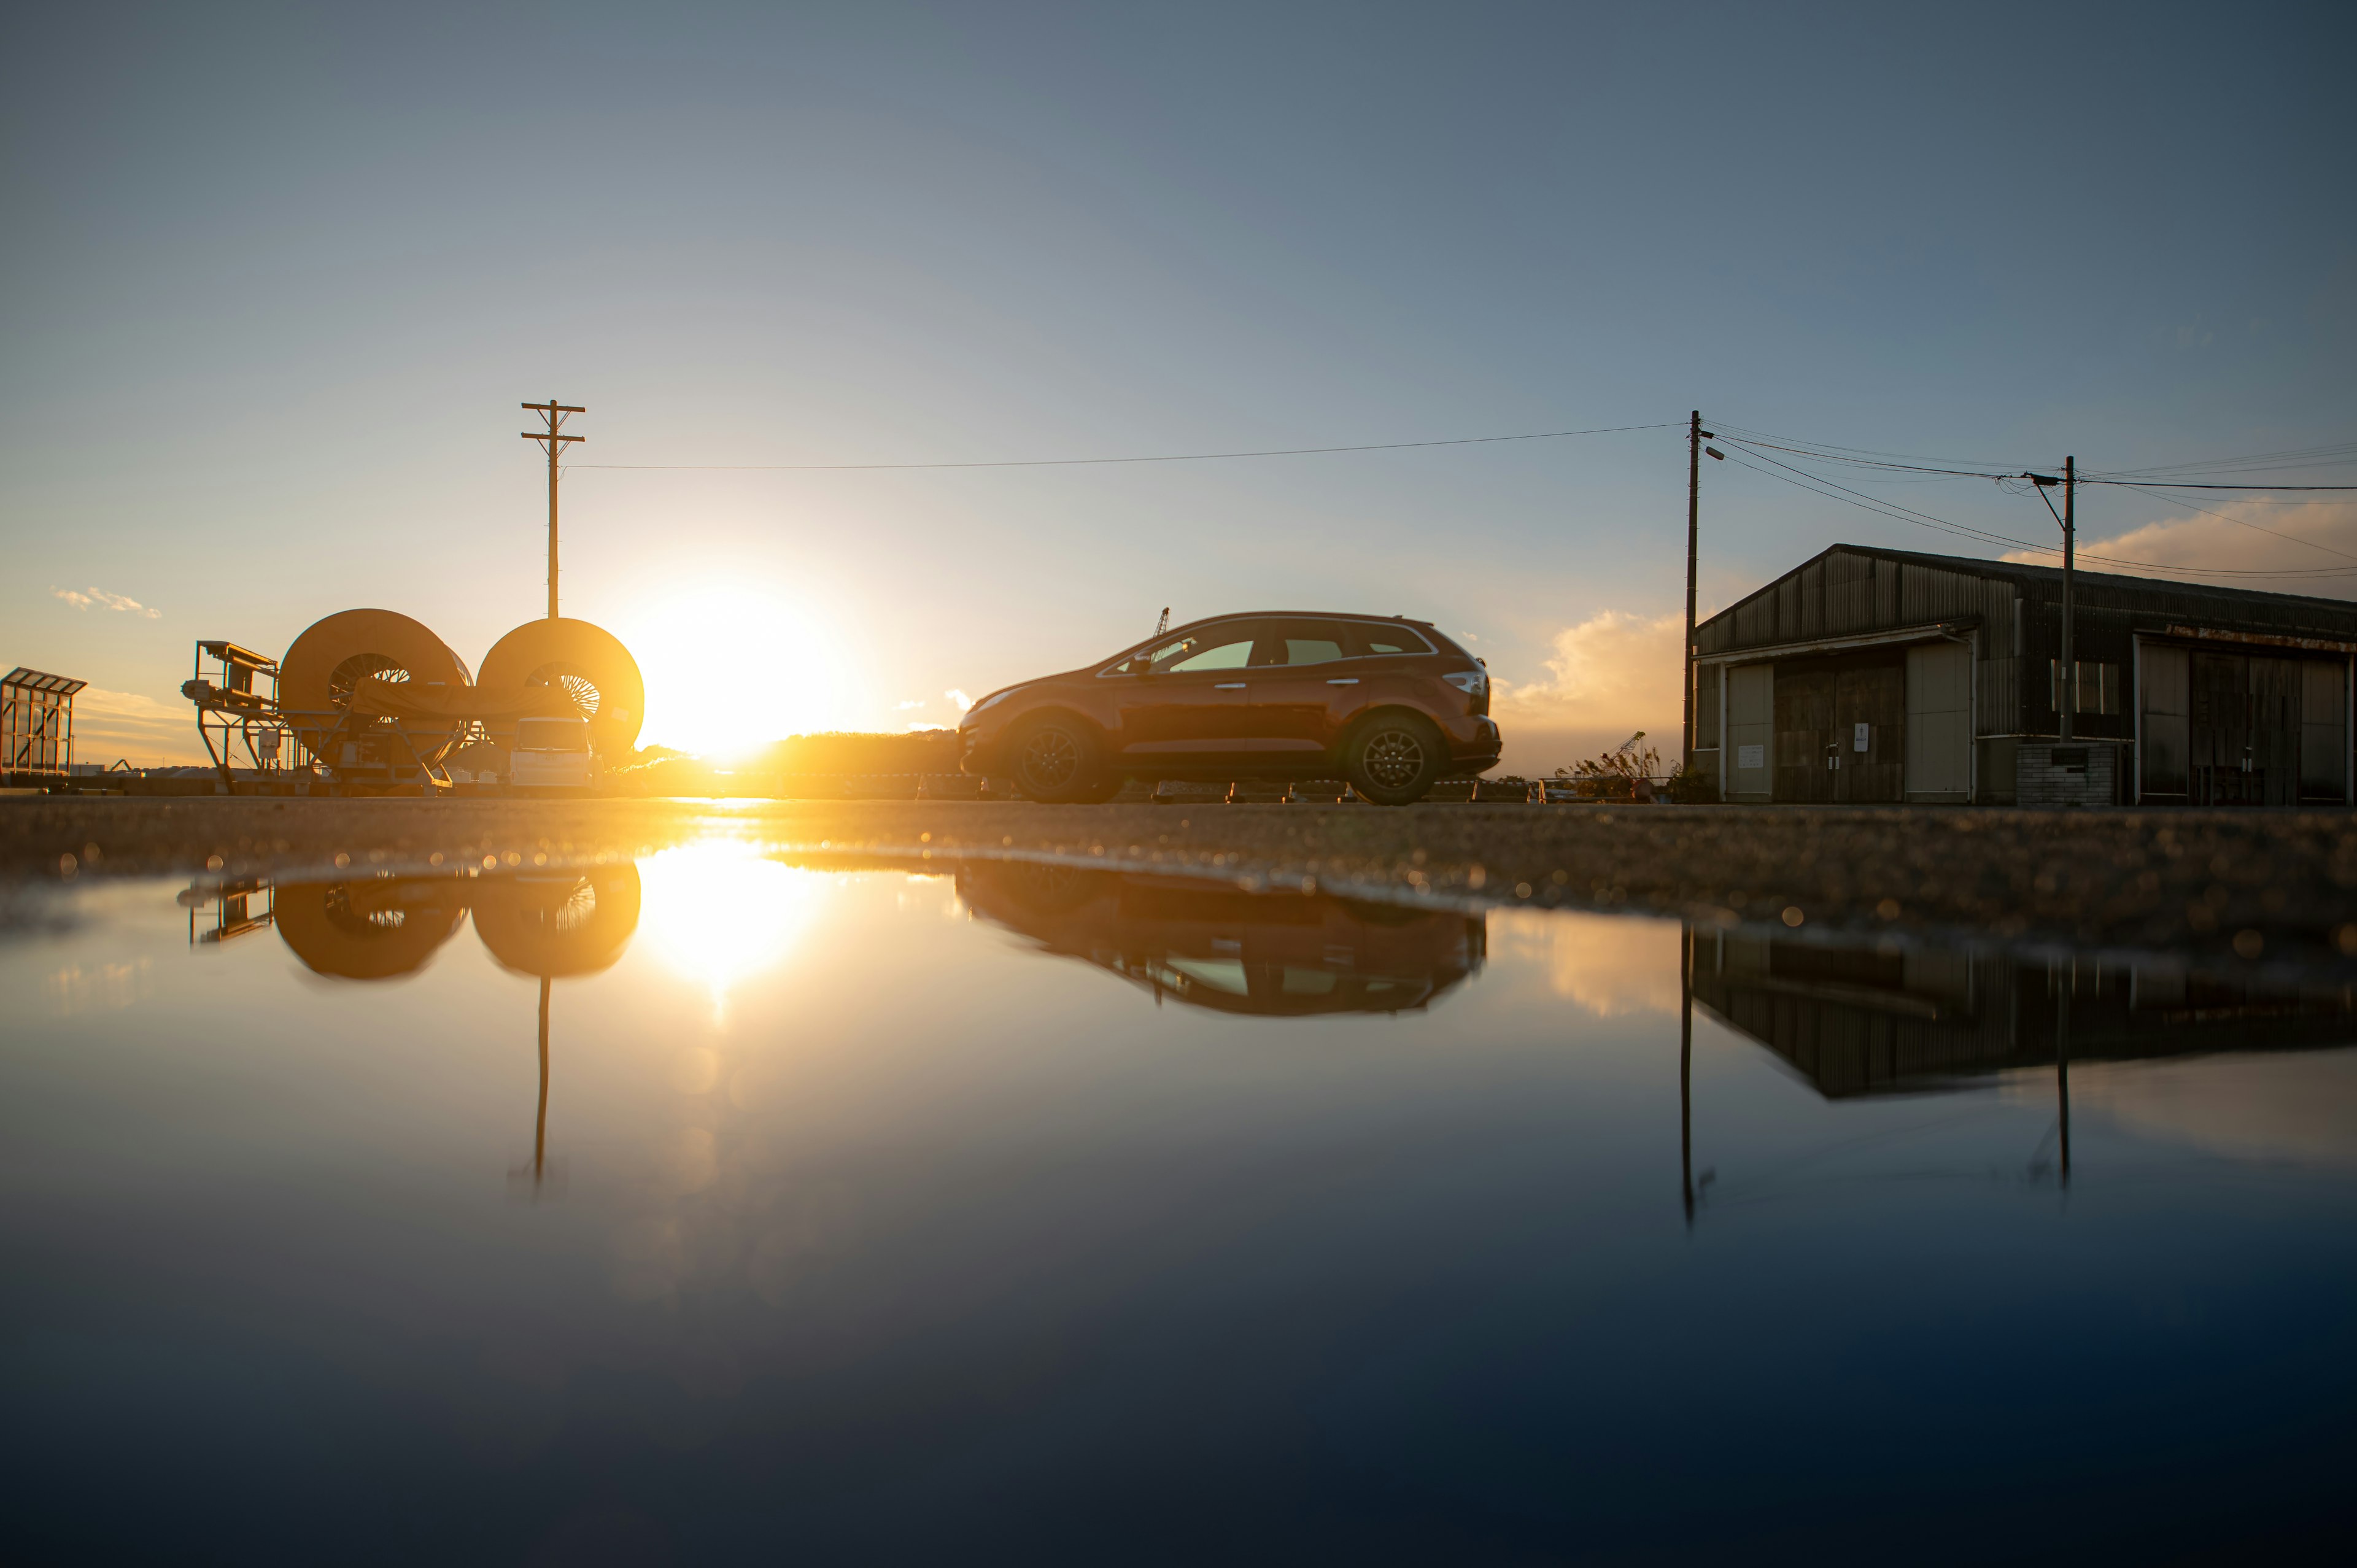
(1939, 722)
(1750, 715)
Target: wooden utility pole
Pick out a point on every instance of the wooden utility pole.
(2069, 561)
(1694, 521)
(554, 413)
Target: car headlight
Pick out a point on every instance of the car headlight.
(991, 700)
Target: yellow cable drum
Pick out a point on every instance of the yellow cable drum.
(588, 662)
(317, 677)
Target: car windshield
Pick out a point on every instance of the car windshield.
(1214, 648)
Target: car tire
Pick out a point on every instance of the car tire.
(1055, 761)
(1395, 759)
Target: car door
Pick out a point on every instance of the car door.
(1301, 689)
(1184, 698)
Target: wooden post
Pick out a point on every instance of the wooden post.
(1694, 520)
(2069, 703)
(554, 413)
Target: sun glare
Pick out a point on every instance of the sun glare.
(719, 914)
(730, 669)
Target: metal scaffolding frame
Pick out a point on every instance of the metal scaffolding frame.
(37, 724)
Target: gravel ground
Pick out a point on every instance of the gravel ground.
(2277, 885)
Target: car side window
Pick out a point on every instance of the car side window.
(1296, 642)
(1371, 641)
(1214, 648)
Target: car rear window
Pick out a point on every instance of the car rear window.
(1371, 641)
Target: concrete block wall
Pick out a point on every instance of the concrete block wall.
(2084, 773)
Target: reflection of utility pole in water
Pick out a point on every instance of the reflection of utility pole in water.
(540, 1122)
(1686, 1065)
(539, 1167)
(2062, 1058)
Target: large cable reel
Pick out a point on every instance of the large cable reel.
(317, 677)
(589, 663)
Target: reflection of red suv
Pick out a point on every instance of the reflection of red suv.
(1388, 703)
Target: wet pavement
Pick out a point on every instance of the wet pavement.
(670, 1192)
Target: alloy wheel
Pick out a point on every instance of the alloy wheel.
(1050, 760)
(1393, 758)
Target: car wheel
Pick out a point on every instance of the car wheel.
(1393, 758)
(1056, 761)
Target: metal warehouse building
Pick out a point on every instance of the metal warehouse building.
(1883, 675)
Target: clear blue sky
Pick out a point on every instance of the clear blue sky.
(273, 282)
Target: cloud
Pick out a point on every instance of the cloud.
(1606, 677)
(959, 698)
(99, 596)
(1608, 966)
(2309, 536)
(143, 731)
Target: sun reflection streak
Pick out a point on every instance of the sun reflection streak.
(719, 914)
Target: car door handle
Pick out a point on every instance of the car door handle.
(1228, 686)
(1343, 680)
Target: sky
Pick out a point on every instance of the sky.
(274, 280)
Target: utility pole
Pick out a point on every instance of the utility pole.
(554, 413)
(1694, 524)
(2066, 667)
(1695, 436)
(2069, 561)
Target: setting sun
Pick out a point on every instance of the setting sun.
(730, 669)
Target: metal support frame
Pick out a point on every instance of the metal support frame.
(37, 724)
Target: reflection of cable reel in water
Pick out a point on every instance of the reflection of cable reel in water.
(317, 677)
(587, 663)
(372, 930)
(558, 925)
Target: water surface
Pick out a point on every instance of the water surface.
(720, 1208)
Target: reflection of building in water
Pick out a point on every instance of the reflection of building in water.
(1272, 955)
(1859, 1019)
(555, 925)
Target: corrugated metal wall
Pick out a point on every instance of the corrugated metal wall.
(1852, 592)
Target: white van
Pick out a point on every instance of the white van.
(550, 754)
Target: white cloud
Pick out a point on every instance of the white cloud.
(1607, 676)
(2312, 536)
(1607, 965)
(959, 698)
(99, 596)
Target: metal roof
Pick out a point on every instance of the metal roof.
(34, 679)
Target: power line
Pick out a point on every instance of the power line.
(2189, 506)
(1868, 458)
(1164, 457)
(1925, 520)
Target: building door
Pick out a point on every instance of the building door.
(1750, 725)
(1841, 729)
(1939, 722)
(2163, 737)
(2246, 725)
(1805, 759)
(2324, 731)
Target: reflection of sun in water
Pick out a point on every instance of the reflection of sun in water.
(720, 914)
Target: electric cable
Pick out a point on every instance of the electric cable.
(1162, 457)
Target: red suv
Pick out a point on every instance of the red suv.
(1386, 702)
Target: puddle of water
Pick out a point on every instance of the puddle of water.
(716, 1207)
